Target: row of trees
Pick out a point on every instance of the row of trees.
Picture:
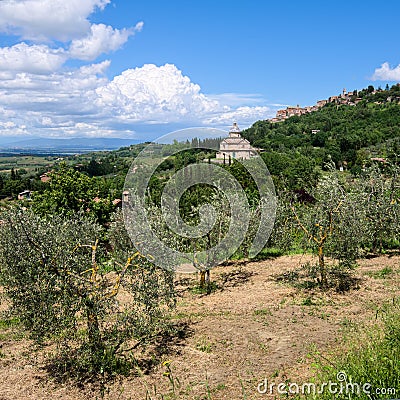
(341, 218)
(66, 260)
(337, 216)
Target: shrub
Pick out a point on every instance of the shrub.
(52, 270)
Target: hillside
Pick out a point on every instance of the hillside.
(350, 135)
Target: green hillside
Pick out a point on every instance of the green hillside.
(349, 135)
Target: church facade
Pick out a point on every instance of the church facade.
(235, 146)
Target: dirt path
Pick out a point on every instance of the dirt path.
(253, 327)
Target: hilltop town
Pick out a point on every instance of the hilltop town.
(347, 98)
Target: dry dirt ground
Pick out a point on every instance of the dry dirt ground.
(254, 326)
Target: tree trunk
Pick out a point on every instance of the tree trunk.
(208, 277)
(322, 269)
(94, 335)
(202, 279)
(375, 245)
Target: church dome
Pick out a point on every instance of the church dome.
(235, 128)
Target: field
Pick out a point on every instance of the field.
(30, 163)
(256, 324)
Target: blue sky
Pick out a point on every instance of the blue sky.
(143, 68)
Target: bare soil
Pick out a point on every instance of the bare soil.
(255, 325)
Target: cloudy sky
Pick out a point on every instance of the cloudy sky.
(119, 68)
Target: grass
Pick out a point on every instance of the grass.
(177, 391)
(204, 345)
(8, 323)
(372, 359)
(308, 301)
(268, 253)
(261, 315)
(206, 289)
(9, 329)
(384, 273)
(273, 252)
(263, 311)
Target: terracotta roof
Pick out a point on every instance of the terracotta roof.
(235, 140)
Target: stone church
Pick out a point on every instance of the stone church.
(235, 146)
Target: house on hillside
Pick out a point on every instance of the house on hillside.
(235, 146)
(281, 114)
(45, 177)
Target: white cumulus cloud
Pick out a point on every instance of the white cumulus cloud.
(48, 19)
(7, 124)
(39, 59)
(101, 39)
(385, 73)
(43, 21)
(152, 93)
(47, 104)
(84, 102)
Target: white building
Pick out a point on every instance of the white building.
(235, 146)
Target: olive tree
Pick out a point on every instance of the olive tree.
(56, 275)
(332, 226)
(199, 251)
(204, 236)
(284, 232)
(379, 196)
(69, 192)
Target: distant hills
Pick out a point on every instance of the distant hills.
(70, 145)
